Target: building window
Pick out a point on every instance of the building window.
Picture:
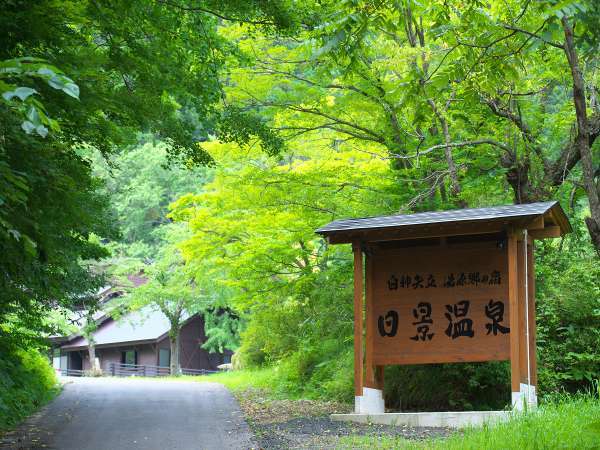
(129, 357)
(164, 357)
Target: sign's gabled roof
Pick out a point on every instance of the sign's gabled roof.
(551, 211)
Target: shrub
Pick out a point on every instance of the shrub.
(27, 381)
(439, 387)
(568, 322)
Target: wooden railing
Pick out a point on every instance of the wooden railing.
(197, 371)
(135, 370)
(129, 370)
(72, 372)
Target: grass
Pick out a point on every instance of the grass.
(239, 380)
(265, 379)
(236, 381)
(566, 423)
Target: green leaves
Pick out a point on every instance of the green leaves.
(21, 92)
(35, 68)
(24, 69)
(60, 82)
(240, 127)
(36, 120)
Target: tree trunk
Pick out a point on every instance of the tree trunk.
(174, 340)
(583, 133)
(88, 334)
(94, 369)
(443, 195)
(517, 176)
(455, 187)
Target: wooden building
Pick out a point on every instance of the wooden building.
(138, 343)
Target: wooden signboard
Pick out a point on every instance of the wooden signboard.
(443, 287)
(438, 304)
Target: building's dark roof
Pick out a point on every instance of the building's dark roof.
(402, 221)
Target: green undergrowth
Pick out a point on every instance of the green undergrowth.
(564, 423)
(272, 380)
(27, 382)
(241, 380)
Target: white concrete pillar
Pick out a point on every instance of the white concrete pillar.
(371, 402)
(525, 399)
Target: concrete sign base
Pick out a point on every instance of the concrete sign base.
(525, 399)
(371, 402)
(450, 419)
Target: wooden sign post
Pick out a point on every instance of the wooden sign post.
(451, 286)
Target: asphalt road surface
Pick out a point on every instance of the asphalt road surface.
(140, 414)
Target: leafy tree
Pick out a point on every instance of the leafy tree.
(408, 107)
(171, 290)
(53, 211)
(141, 186)
(461, 98)
(143, 66)
(257, 249)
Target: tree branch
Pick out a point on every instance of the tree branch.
(214, 13)
(501, 111)
(457, 144)
(532, 34)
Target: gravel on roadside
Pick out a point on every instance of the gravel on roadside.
(305, 424)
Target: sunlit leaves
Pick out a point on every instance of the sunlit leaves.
(254, 224)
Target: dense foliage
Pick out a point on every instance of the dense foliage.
(50, 210)
(78, 76)
(26, 382)
(407, 107)
(459, 98)
(141, 186)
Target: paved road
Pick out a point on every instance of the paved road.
(140, 414)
